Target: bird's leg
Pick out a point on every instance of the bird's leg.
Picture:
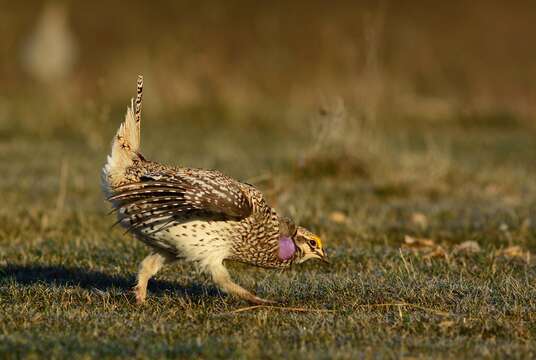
(148, 268)
(223, 280)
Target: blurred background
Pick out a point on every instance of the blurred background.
(432, 60)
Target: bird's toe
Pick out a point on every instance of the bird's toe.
(260, 301)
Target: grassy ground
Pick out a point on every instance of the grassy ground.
(65, 276)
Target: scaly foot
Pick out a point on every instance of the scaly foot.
(141, 293)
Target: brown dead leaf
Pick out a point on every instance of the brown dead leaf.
(338, 217)
(419, 219)
(514, 251)
(438, 251)
(492, 189)
(427, 247)
(413, 242)
(467, 247)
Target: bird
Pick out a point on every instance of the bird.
(198, 215)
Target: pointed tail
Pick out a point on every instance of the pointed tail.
(126, 143)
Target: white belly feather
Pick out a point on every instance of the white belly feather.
(205, 243)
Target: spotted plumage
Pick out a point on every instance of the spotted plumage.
(200, 215)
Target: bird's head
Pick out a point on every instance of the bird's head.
(309, 246)
(298, 243)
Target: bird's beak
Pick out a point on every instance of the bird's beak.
(324, 257)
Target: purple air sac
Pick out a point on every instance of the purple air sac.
(286, 248)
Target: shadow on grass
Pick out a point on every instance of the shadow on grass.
(55, 275)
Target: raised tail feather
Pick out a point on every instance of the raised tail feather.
(126, 143)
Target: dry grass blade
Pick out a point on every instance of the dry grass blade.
(304, 310)
(271, 307)
(404, 304)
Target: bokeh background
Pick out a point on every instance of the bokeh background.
(435, 60)
(403, 132)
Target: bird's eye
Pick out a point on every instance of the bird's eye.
(312, 243)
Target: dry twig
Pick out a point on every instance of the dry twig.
(284, 308)
(304, 310)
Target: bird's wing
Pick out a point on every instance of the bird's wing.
(167, 194)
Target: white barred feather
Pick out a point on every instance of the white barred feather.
(126, 144)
